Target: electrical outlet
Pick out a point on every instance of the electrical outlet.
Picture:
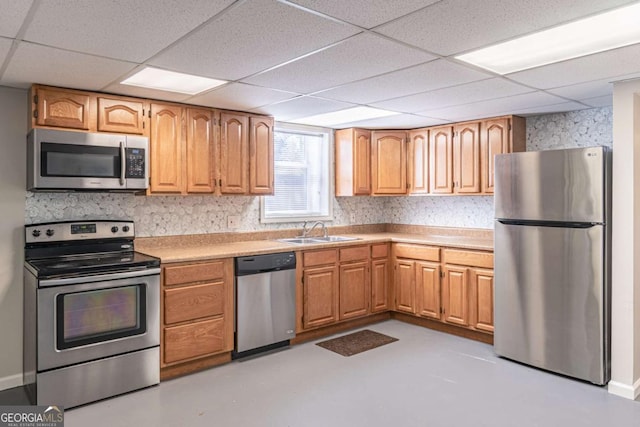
(352, 218)
(233, 221)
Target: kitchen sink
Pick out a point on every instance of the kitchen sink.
(309, 240)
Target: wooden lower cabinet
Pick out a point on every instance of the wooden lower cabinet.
(404, 272)
(380, 278)
(355, 290)
(197, 311)
(455, 303)
(481, 310)
(320, 296)
(428, 289)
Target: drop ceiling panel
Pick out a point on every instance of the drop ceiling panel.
(359, 57)
(453, 26)
(238, 96)
(584, 90)
(365, 13)
(33, 63)
(494, 107)
(599, 101)
(128, 30)
(400, 121)
(600, 66)
(5, 47)
(12, 15)
(302, 106)
(432, 75)
(249, 38)
(457, 95)
(562, 107)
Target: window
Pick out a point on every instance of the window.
(302, 175)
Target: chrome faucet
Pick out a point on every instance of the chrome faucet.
(305, 231)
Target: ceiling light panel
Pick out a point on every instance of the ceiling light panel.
(610, 30)
(335, 118)
(155, 78)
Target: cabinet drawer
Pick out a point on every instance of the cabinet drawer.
(189, 273)
(356, 253)
(323, 257)
(193, 340)
(470, 258)
(425, 253)
(193, 302)
(380, 250)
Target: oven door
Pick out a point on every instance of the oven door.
(87, 318)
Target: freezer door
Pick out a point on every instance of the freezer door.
(555, 185)
(550, 299)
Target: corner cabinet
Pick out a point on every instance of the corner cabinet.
(353, 162)
(197, 312)
(389, 162)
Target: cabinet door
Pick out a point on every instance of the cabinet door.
(481, 299)
(454, 295)
(200, 151)
(440, 160)
(361, 162)
(353, 162)
(233, 154)
(167, 149)
(320, 296)
(193, 340)
(355, 290)
(494, 140)
(261, 155)
(379, 285)
(428, 289)
(418, 164)
(466, 158)
(119, 115)
(62, 108)
(194, 302)
(389, 164)
(404, 280)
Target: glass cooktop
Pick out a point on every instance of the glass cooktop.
(77, 265)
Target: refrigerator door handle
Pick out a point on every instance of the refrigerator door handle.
(536, 223)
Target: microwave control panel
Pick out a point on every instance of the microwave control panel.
(135, 163)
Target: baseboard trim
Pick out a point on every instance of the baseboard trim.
(11, 381)
(627, 391)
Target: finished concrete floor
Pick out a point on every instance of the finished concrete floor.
(427, 378)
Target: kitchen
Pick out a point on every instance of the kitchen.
(581, 124)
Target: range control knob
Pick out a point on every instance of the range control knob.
(35, 233)
(125, 228)
(114, 229)
(50, 232)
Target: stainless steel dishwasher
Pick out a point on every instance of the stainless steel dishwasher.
(265, 289)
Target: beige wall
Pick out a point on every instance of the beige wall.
(13, 128)
(625, 310)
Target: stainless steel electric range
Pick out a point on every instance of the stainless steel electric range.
(91, 312)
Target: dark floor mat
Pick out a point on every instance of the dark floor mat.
(357, 342)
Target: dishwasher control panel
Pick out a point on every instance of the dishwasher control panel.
(265, 263)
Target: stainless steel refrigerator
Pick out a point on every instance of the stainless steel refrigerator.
(552, 260)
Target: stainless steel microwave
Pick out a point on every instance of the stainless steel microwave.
(68, 160)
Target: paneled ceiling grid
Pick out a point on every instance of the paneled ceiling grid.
(295, 58)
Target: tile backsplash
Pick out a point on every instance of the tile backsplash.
(172, 215)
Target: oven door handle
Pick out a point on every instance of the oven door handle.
(123, 162)
(134, 272)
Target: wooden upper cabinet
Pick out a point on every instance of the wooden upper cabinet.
(353, 162)
(261, 155)
(389, 162)
(418, 163)
(466, 158)
(499, 136)
(116, 114)
(200, 150)
(233, 153)
(440, 160)
(61, 108)
(167, 149)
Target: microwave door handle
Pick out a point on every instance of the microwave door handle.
(123, 162)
